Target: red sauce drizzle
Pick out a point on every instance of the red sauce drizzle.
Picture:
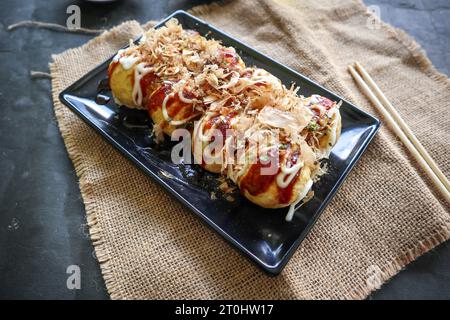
(221, 124)
(285, 195)
(157, 97)
(322, 101)
(148, 83)
(255, 183)
(174, 106)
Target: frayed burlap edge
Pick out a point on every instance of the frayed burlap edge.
(408, 256)
(416, 51)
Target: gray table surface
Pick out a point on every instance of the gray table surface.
(42, 220)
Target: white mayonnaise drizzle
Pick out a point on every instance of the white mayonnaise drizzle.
(118, 55)
(139, 72)
(227, 147)
(303, 194)
(184, 99)
(314, 99)
(166, 115)
(200, 137)
(287, 174)
(335, 115)
(164, 109)
(128, 61)
(207, 137)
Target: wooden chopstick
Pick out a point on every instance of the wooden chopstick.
(402, 136)
(388, 105)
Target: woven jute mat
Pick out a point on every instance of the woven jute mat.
(385, 215)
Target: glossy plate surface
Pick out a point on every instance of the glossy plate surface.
(260, 234)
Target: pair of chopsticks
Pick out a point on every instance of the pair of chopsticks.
(401, 129)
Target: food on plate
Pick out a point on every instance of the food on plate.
(247, 125)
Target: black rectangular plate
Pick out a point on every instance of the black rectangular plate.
(262, 235)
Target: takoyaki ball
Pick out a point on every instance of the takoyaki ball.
(260, 87)
(125, 90)
(291, 180)
(324, 128)
(121, 82)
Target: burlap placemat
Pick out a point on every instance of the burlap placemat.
(385, 215)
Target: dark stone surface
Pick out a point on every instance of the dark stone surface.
(42, 221)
